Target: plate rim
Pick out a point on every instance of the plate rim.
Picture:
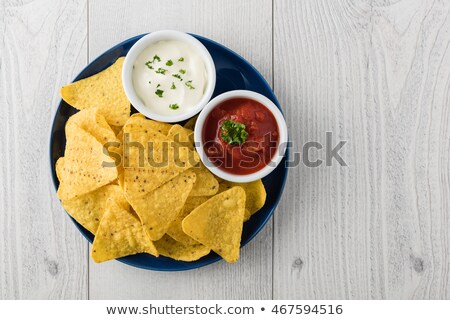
(215, 258)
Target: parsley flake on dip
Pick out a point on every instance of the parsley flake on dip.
(242, 136)
(168, 76)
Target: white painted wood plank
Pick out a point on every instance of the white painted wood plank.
(377, 75)
(42, 46)
(244, 26)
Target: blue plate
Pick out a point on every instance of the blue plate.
(233, 72)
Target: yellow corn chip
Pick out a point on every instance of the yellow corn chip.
(86, 166)
(138, 122)
(88, 208)
(103, 91)
(254, 192)
(117, 130)
(120, 234)
(171, 248)
(120, 136)
(206, 184)
(218, 222)
(151, 159)
(59, 167)
(191, 123)
(94, 123)
(120, 180)
(157, 209)
(182, 135)
(146, 147)
(175, 230)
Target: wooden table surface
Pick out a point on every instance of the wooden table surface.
(374, 73)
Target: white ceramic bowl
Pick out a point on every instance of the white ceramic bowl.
(282, 128)
(142, 44)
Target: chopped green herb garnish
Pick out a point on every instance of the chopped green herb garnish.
(174, 106)
(182, 71)
(189, 85)
(150, 82)
(148, 64)
(173, 86)
(159, 85)
(159, 93)
(161, 70)
(176, 75)
(233, 132)
(181, 59)
(169, 63)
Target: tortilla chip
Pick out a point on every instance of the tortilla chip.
(191, 123)
(182, 136)
(94, 123)
(120, 180)
(120, 136)
(103, 91)
(157, 209)
(88, 209)
(145, 147)
(255, 195)
(120, 234)
(85, 165)
(218, 223)
(59, 165)
(138, 122)
(171, 248)
(151, 159)
(206, 184)
(175, 229)
(117, 130)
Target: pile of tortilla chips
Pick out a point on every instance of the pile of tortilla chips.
(138, 185)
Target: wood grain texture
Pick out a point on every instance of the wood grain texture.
(42, 45)
(244, 26)
(376, 74)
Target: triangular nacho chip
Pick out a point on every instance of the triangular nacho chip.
(89, 208)
(171, 248)
(151, 149)
(157, 209)
(151, 159)
(175, 229)
(255, 195)
(104, 91)
(218, 222)
(95, 124)
(86, 166)
(138, 122)
(206, 184)
(182, 135)
(116, 129)
(120, 234)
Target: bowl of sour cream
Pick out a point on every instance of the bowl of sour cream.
(169, 76)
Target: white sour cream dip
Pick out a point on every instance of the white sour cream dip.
(169, 77)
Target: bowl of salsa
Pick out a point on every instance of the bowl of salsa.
(241, 136)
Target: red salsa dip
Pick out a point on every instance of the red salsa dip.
(240, 136)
